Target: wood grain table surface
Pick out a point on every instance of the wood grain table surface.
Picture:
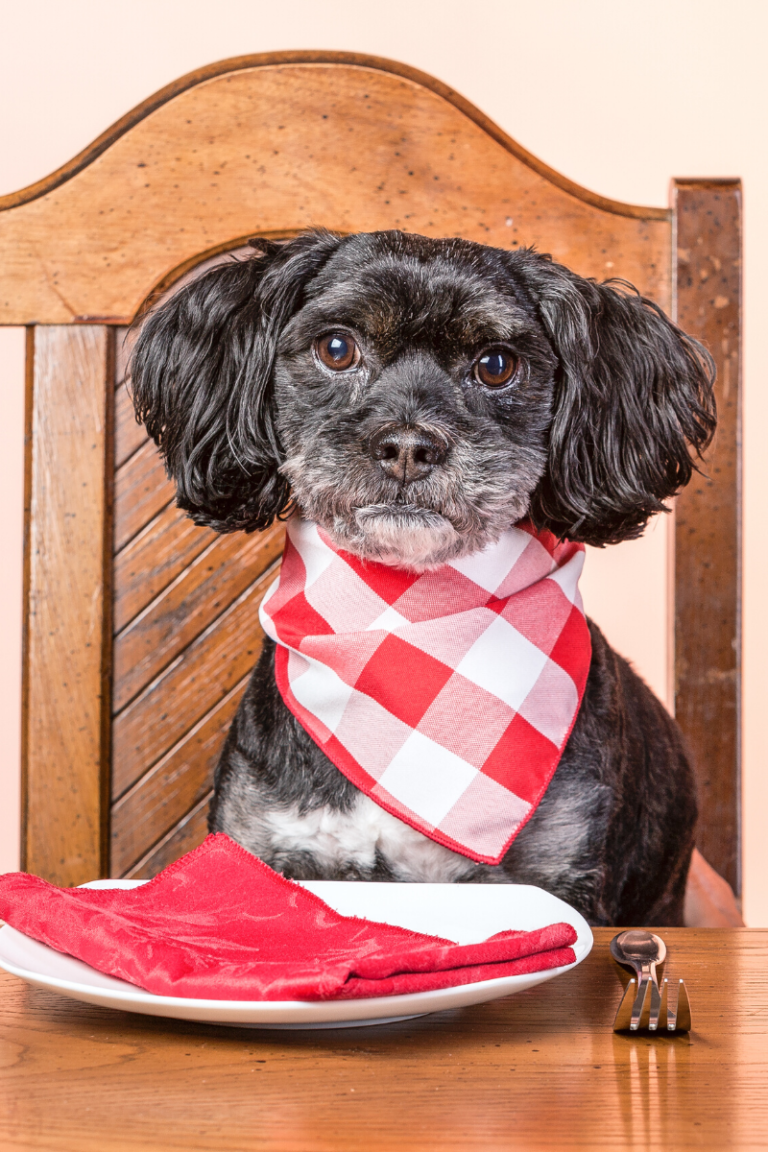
(539, 1070)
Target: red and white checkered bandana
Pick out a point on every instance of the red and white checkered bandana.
(446, 696)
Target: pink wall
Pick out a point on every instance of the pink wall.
(618, 97)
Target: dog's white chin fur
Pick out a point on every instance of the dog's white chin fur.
(411, 537)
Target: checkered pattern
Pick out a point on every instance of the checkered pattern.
(447, 696)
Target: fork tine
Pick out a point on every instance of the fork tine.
(666, 1018)
(624, 1011)
(683, 1022)
(638, 1008)
(645, 1016)
(654, 1011)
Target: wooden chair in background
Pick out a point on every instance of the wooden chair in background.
(141, 629)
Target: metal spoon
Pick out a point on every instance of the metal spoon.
(642, 951)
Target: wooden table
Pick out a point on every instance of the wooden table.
(539, 1070)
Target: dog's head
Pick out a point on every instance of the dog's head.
(417, 397)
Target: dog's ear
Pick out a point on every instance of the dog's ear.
(200, 375)
(634, 399)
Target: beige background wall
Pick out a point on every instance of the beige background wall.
(618, 96)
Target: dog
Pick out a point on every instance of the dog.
(416, 398)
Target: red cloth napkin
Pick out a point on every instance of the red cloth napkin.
(221, 925)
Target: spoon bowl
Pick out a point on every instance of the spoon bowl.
(635, 948)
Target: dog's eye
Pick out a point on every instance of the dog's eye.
(338, 351)
(495, 368)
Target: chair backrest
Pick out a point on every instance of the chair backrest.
(140, 628)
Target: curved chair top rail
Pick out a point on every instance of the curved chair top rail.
(275, 143)
(349, 59)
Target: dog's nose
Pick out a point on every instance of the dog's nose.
(407, 454)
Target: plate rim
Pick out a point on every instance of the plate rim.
(139, 1000)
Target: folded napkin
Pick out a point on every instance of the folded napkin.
(221, 925)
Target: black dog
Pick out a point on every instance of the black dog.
(416, 398)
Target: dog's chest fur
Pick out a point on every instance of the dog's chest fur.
(363, 839)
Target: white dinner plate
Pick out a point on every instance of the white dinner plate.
(464, 913)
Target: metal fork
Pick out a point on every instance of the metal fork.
(644, 1004)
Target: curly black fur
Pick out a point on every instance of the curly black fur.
(201, 376)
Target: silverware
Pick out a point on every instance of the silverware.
(644, 1004)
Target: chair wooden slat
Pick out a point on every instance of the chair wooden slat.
(154, 559)
(708, 523)
(204, 673)
(142, 489)
(128, 434)
(67, 649)
(172, 787)
(190, 831)
(187, 607)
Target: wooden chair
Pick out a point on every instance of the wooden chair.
(141, 629)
